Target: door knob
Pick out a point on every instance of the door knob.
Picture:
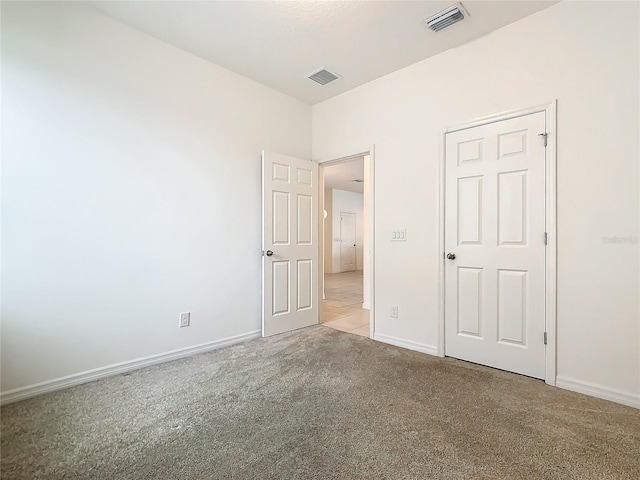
(451, 256)
(269, 253)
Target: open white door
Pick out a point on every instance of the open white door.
(289, 243)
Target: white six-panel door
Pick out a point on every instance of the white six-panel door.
(289, 242)
(495, 236)
(347, 241)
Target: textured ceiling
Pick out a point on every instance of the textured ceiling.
(278, 43)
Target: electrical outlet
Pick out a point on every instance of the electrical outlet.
(394, 311)
(185, 319)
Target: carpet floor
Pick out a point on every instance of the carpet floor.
(318, 404)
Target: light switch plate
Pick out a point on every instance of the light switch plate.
(399, 235)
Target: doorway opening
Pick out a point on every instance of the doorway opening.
(346, 245)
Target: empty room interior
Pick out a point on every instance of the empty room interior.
(320, 240)
(344, 304)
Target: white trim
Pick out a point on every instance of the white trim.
(372, 240)
(499, 117)
(551, 250)
(29, 391)
(321, 260)
(330, 160)
(594, 390)
(399, 342)
(340, 157)
(550, 111)
(441, 264)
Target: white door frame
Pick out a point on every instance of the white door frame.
(550, 110)
(369, 238)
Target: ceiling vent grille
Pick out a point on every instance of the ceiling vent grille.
(323, 76)
(446, 18)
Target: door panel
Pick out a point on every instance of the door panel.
(280, 214)
(470, 211)
(494, 224)
(470, 301)
(512, 208)
(305, 284)
(281, 287)
(512, 306)
(305, 212)
(305, 176)
(290, 249)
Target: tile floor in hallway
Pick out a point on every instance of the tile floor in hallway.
(342, 307)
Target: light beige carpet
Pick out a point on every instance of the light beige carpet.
(318, 404)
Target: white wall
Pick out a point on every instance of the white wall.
(343, 201)
(562, 52)
(130, 193)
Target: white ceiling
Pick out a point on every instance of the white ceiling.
(341, 175)
(278, 43)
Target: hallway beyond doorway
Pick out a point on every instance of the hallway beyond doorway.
(342, 307)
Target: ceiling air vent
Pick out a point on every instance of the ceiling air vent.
(446, 17)
(323, 76)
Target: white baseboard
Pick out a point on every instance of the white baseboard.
(398, 342)
(29, 391)
(598, 391)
